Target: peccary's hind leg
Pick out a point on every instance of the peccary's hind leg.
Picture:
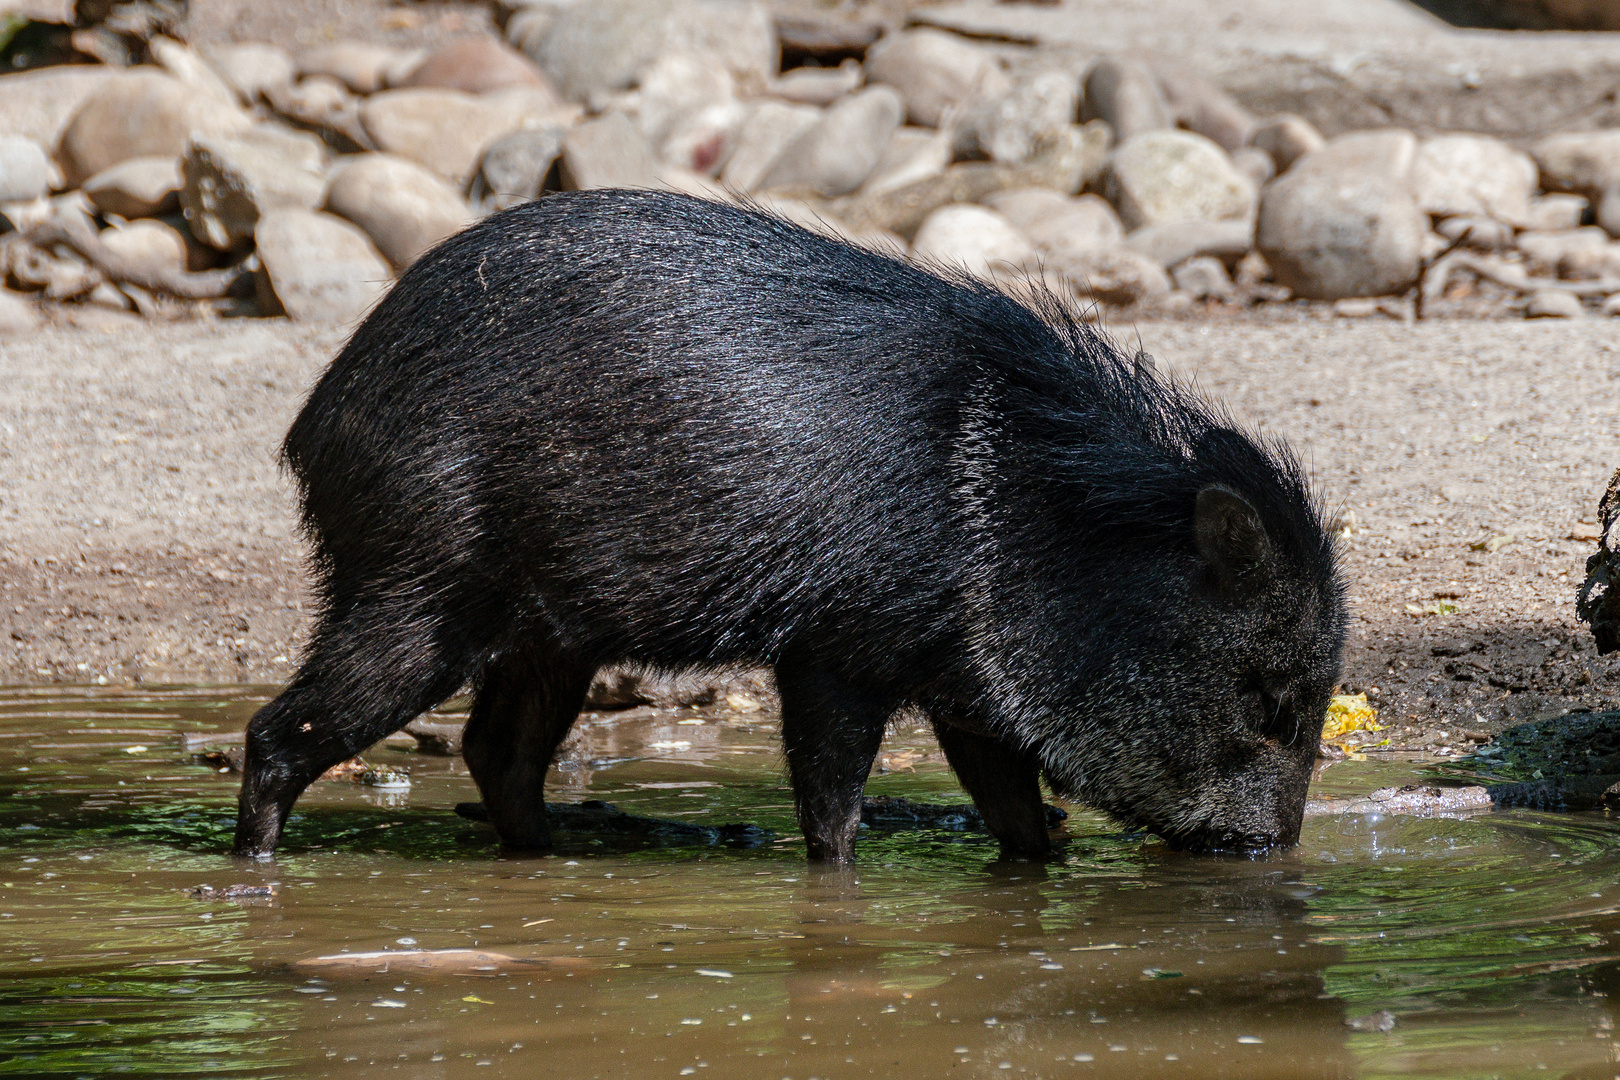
(1004, 783)
(367, 674)
(831, 731)
(523, 705)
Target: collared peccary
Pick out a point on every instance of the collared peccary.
(638, 428)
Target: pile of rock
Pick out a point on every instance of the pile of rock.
(247, 180)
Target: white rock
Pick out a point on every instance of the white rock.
(1561, 211)
(1176, 241)
(607, 153)
(1611, 305)
(137, 188)
(1009, 128)
(1080, 226)
(253, 70)
(25, 170)
(404, 208)
(1553, 304)
(39, 103)
(934, 72)
(361, 67)
(840, 151)
(515, 166)
(1475, 176)
(1330, 232)
(1287, 138)
(975, 239)
(1561, 251)
(152, 245)
(819, 86)
(677, 85)
(447, 131)
(18, 315)
(1479, 233)
(1167, 176)
(1125, 94)
(230, 182)
(319, 267)
(1023, 206)
(1204, 277)
(1200, 105)
(142, 113)
(1115, 276)
(192, 69)
(913, 154)
(771, 128)
(1256, 164)
(605, 45)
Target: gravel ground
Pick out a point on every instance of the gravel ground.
(145, 534)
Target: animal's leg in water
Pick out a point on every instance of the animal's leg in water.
(523, 705)
(369, 672)
(1004, 783)
(831, 730)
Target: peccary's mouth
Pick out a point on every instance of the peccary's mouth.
(1223, 843)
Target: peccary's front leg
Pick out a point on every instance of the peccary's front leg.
(1004, 783)
(831, 731)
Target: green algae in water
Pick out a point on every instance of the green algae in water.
(1495, 939)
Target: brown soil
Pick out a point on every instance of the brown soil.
(146, 535)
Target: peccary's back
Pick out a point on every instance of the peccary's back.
(670, 429)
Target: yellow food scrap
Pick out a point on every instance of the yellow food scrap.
(1438, 607)
(476, 1000)
(1347, 713)
(1491, 544)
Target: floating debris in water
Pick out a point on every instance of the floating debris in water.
(235, 892)
(1382, 1020)
(384, 778)
(442, 961)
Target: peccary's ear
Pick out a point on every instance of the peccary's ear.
(1231, 538)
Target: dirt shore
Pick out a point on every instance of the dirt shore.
(146, 535)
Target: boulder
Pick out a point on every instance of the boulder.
(39, 103)
(1287, 138)
(1175, 176)
(934, 72)
(974, 239)
(361, 67)
(1553, 304)
(1471, 175)
(770, 129)
(151, 245)
(1555, 252)
(1080, 225)
(230, 182)
(1200, 106)
(137, 188)
(404, 208)
(253, 70)
(1125, 94)
(1011, 126)
(912, 154)
(1388, 152)
(607, 153)
(599, 47)
(447, 131)
(1115, 276)
(836, 154)
(515, 167)
(142, 113)
(1024, 206)
(702, 140)
(317, 267)
(18, 315)
(192, 69)
(25, 169)
(475, 65)
(1330, 232)
(1585, 162)
(1176, 241)
(1204, 278)
(818, 86)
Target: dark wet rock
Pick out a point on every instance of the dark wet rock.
(1568, 762)
(1598, 603)
(624, 688)
(248, 893)
(433, 737)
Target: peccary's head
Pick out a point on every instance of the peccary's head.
(1170, 632)
(1199, 717)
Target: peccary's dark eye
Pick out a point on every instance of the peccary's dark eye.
(1276, 722)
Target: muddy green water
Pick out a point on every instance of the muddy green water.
(1494, 939)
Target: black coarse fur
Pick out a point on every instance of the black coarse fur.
(631, 427)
